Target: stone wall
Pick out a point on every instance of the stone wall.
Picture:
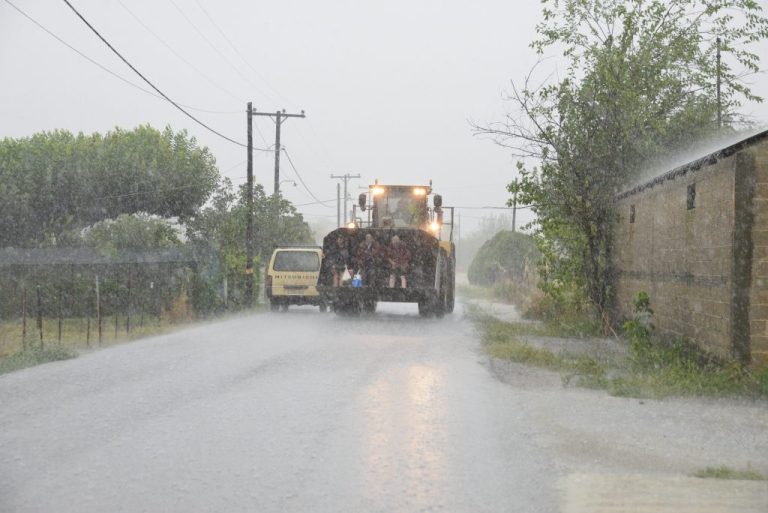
(687, 238)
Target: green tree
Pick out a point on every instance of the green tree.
(508, 256)
(54, 182)
(222, 225)
(470, 243)
(132, 232)
(154, 285)
(640, 82)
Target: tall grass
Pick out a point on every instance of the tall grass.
(649, 370)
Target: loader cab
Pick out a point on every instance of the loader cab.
(399, 207)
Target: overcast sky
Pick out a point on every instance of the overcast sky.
(388, 86)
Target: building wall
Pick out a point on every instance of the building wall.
(681, 257)
(705, 268)
(758, 307)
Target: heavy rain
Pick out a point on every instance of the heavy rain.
(384, 256)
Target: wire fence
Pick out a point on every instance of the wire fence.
(87, 302)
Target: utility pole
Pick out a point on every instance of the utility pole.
(279, 118)
(249, 214)
(514, 206)
(346, 177)
(338, 204)
(719, 104)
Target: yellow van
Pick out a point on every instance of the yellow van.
(292, 276)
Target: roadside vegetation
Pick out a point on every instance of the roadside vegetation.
(648, 368)
(34, 356)
(723, 472)
(73, 336)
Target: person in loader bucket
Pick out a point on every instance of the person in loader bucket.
(398, 258)
(338, 260)
(368, 258)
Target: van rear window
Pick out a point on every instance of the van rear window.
(297, 261)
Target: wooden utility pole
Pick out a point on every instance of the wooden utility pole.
(346, 177)
(279, 118)
(338, 204)
(249, 214)
(514, 206)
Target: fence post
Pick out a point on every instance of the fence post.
(24, 318)
(98, 308)
(40, 316)
(60, 316)
(128, 306)
(116, 304)
(158, 301)
(142, 302)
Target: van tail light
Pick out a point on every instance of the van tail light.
(268, 286)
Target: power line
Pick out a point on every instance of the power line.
(178, 55)
(237, 51)
(188, 63)
(224, 57)
(193, 118)
(489, 208)
(147, 192)
(167, 189)
(101, 66)
(313, 203)
(302, 180)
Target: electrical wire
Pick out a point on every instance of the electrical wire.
(192, 66)
(313, 203)
(192, 117)
(489, 208)
(215, 49)
(147, 192)
(237, 51)
(155, 191)
(102, 67)
(178, 55)
(323, 203)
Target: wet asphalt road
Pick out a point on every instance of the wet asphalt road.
(301, 411)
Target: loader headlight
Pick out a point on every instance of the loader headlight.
(419, 191)
(435, 226)
(351, 225)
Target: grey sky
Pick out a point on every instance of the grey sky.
(388, 86)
